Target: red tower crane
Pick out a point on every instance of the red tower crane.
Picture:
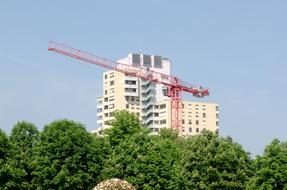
(174, 84)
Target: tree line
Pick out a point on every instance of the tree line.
(66, 156)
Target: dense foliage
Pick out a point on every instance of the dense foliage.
(23, 138)
(4, 157)
(271, 168)
(66, 156)
(214, 163)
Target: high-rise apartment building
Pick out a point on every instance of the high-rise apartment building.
(148, 100)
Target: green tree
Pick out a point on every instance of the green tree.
(7, 172)
(270, 170)
(163, 157)
(4, 156)
(211, 162)
(23, 138)
(123, 126)
(66, 157)
(4, 146)
(147, 161)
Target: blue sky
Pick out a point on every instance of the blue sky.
(238, 49)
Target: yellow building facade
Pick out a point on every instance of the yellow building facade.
(147, 101)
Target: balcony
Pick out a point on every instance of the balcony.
(131, 92)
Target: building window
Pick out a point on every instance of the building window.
(131, 82)
(162, 106)
(204, 122)
(112, 106)
(183, 121)
(216, 108)
(99, 117)
(130, 90)
(156, 114)
(217, 115)
(162, 122)
(190, 129)
(106, 99)
(217, 123)
(156, 107)
(197, 122)
(112, 75)
(111, 114)
(204, 115)
(189, 122)
(127, 106)
(156, 122)
(197, 130)
(106, 107)
(99, 110)
(106, 92)
(106, 115)
(112, 82)
(106, 76)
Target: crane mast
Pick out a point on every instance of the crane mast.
(174, 84)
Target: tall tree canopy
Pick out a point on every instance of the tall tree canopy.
(4, 145)
(211, 162)
(66, 157)
(4, 156)
(123, 126)
(147, 161)
(23, 138)
(270, 170)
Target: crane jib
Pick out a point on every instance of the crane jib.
(175, 85)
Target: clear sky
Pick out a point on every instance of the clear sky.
(238, 49)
